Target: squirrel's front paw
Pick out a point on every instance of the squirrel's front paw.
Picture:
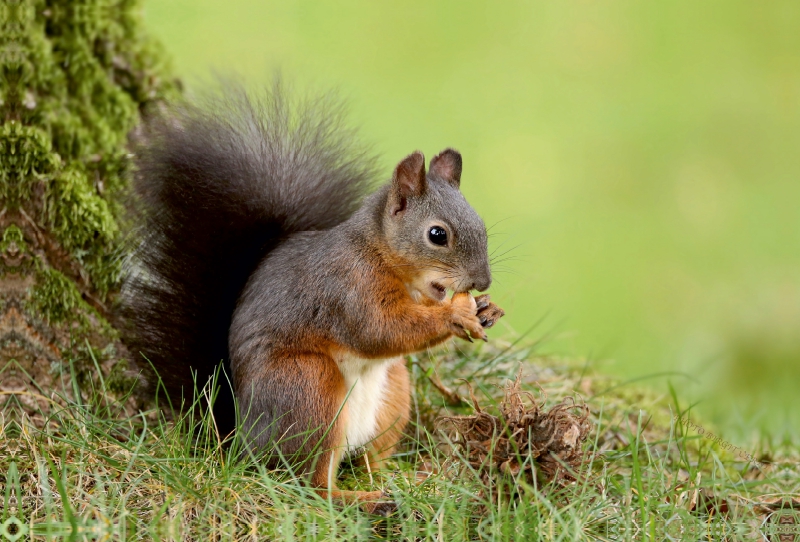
(488, 312)
(465, 322)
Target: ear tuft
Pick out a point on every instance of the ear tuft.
(447, 166)
(408, 181)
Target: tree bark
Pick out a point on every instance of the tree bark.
(76, 75)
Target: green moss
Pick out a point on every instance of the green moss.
(56, 298)
(26, 157)
(83, 223)
(75, 75)
(13, 241)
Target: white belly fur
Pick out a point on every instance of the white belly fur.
(365, 380)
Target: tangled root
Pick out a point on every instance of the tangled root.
(524, 442)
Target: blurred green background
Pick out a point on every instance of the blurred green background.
(641, 160)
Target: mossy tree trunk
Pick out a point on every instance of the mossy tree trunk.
(75, 76)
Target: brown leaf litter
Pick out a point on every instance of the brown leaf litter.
(524, 441)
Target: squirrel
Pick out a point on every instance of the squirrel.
(258, 247)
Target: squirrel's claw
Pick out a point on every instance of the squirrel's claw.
(381, 508)
(488, 313)
(479, 334)
(461, 332)
(482, 301)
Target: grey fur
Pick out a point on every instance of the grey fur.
(320, 281)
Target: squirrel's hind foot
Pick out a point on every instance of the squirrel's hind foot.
(371, 502)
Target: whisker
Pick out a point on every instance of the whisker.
(496, 223)
(507, 259)
(502, 244)
(491, 255)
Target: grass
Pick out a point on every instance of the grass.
(94, 470)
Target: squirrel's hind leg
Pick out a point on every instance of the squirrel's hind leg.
(324, 479)
(292, 405)
(392, 419)
(296, 398)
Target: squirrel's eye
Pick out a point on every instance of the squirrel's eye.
(438, 236)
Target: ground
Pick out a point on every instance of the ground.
(90, 471)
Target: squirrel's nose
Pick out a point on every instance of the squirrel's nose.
(482, 281)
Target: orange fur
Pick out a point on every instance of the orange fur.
(403, 326)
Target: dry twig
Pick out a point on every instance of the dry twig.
(524, 440)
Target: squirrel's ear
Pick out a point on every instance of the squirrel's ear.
(447, 166)
(409, 180)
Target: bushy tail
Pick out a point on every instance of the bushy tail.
(218, 184)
